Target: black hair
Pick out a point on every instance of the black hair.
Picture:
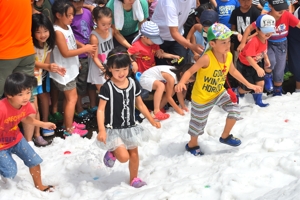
(18, 82)
(100, 2)
(99, 12)
(122, 1)
(61, 7)
(41, 20)
(117, 58)
(180, 70)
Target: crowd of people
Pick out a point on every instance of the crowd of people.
(116, 52)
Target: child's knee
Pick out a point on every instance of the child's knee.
(123, 158)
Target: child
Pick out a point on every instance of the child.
(43, 37)
(14, 109)
(118, 132)
(240, 18)
(277, 44)
(224, 9)
(198, 32)
(162, 78)
(209, 90)
(145, 47)
(249, 62)
(65, 53)
(82, 25)
(102, 37)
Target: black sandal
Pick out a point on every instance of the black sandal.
(48, 189)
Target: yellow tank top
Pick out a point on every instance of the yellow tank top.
(210, 80)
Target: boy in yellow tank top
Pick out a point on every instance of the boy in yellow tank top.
(209, 90)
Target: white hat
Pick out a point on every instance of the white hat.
(266, 23)
(150, 30)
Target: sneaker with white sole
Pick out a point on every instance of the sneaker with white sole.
(47, 132)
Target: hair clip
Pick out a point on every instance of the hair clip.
(116, 54)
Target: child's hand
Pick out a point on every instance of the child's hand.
(155, 124)
(260, 72)
(256, 88)
(179, 87)
(90, 49)
(197, 48)
(49, 125)
(196, 57)
(159, 53)
(185, 109)
(102, 136)
(175, 57)
(239, 37)
(57, 69)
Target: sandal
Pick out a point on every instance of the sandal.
(50, 188)
(160, 116)
(230, 140)
(137, 183)
(196, 151)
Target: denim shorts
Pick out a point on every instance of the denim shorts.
(8, 166)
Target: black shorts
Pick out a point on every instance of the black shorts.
(249, 73)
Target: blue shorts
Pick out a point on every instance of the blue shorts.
(8, 166)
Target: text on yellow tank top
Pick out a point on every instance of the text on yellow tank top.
(210, 80)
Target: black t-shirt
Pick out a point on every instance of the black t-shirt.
(242, 21)
(120, 105)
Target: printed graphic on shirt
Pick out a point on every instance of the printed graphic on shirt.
(241, 24)
(85, 31)
(72, 41)
(226, 10)
(106, 45)
(214, 84)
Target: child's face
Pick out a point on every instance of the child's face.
(119, 74)
(128, 2)
(147, 41)
(221, 46)
(78, 5)
(104, 24)
(276, 14)
(20, 99)
(42, 34)
(66, 19)
(262, 35)
(245, 4)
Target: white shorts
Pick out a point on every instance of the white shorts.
(147, 82)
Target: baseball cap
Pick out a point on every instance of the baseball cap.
(217, 31)
(266, 23)
(279, 5)
(150, 30)
(208, 18)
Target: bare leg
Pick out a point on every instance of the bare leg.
(297, 85)
(44, 102)
(54, 98)
(28, 128)
(159, 88)
(133, 163)
(71, 99)
(35, 172)
(228, 126)
(193, 142)
(93, 97)
(79, 107)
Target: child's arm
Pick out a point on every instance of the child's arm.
(51, 67)
(100, 121)
(247, 32)
(201, 63)
(267, 62)
(260, 72)
(132, 52)
(213, 2)
(144, 110)
(180, 98)
(96, 60)
(79, 44)
(66, 52)
(169, 93)
(238, 76)
(161, 54)
(191, 37)
(119, 37)
(32, 121)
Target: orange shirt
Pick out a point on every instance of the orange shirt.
(15, 29)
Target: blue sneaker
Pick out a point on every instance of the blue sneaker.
(93, 109)
(196, 151)
(230, 140)
(84, 115)
(47, 132)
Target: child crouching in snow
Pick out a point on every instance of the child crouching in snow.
(14, 109)
(208, 89)
(118, 132)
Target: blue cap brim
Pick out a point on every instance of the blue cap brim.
(268, 30)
